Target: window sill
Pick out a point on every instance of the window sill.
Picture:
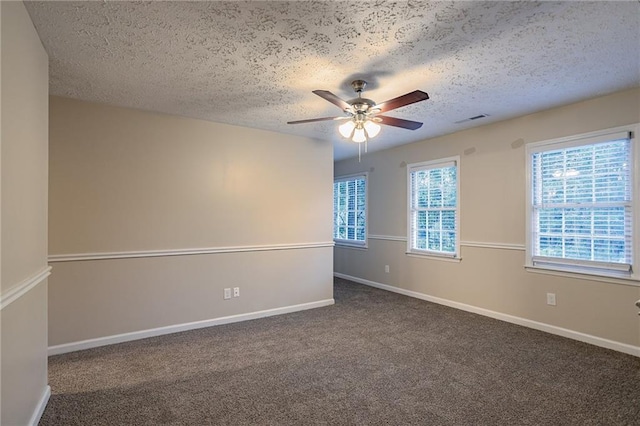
(342, 244)
(434, 257)
(612, 278)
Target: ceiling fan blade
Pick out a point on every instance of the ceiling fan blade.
(325, 94)
(400, 101)
(399, 122)
(313, 120)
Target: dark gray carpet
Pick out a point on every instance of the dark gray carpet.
(373, 358)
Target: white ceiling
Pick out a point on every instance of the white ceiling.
(255, 63)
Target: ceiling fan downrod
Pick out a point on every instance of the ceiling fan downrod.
(360, 104)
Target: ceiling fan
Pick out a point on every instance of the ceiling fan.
(364, 114)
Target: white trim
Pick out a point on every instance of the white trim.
(351, 243)
(143, 334)
(343, 178)
(428, 165)
(599, 136)
(435, 164)
(491, 245)
(355, 243)
(433, 256)
(552, 329)
(598, 267)
(631, 131)
(42, 404)
(18, 290)
(183, 252)
(352, 246)
(477, 244)
(387, 238)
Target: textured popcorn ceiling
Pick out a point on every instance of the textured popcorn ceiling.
(255, 63)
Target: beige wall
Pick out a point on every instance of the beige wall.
(24, 215)
(492, 210)
(123, 180)
(92, 299)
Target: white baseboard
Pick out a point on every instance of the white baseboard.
(552, 329)
(143, 334)
(42, 404)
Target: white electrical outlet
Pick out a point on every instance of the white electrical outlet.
(227, 293)
(551, 299)
(236, 292)
(386, 268)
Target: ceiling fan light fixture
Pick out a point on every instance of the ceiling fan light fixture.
(346, 129)
(359, 135)
(372, 128)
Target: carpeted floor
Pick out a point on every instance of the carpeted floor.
(374, 358)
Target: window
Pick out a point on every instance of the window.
(581, 204)
(433, 208)
(350, 210)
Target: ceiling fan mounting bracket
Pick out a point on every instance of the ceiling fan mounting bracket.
(358, 85)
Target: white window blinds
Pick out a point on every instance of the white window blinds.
(433, 207)
(349, 209)
(582, 203)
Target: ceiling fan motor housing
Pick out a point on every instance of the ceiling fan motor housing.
(361, 104)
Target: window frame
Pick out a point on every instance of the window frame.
(355, 243)
(428, 165)
(595, 269)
